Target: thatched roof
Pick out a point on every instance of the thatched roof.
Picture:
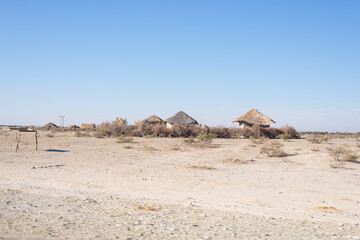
(88, 126)
(254, 117)
(153, 120)
(182, 119)
(49, 126)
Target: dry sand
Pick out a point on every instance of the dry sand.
(162, 188)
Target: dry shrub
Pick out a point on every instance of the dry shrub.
(273, 149)
(260, 140)
(142, 130)
(337, 152)
(290, 132)
(351, 157)
(127, 147)
(108, 129)
(190, 140)
(50, 135)
(150, 148)
(342, 154)
(317, 139)
(315, 149)
(81, 134)
(101, 134)
(124, 139)
(222, 132)
(203, 137)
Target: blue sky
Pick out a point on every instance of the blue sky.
(296, 61)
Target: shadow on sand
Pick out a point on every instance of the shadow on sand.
(56, 150)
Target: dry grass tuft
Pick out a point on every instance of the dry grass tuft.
(123, 139)
(189, 140)
(175, 148)
(326, 209)
(50, 135)
(317, 139)
(147, 208)
(258, 141)
(207, 138)
(128, 147)
(202, 167)
(80, 134)
(237, 161)
(273, 149)
(150, 148)
(315, 149)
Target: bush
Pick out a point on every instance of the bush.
(338, 153)
(273, 149)
(317, 139)
(261, 140)
(189, 140)
(203, 137)
(342, 154)
(80, 134)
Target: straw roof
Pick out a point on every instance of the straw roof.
(254, 117)
(153, 120)
(50, 125)
(182, 119)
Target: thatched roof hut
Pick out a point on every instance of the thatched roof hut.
(181, 119)
(153, 120)
(254, 117)
(49, 126)
(88, 126)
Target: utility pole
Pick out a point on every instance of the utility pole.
(62, 122)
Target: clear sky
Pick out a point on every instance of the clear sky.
(297, 62)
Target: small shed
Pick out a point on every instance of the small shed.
(181, 119)
(253, 117)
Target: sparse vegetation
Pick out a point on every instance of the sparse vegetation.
(237, 161)
(317, 139)
(81, 134)
(189, 140)
(260, 140)
(124, 139)
(341, 155)
(273, 149)
(203, 137)
(202, 167)
(127, 147)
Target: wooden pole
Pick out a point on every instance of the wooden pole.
(18, 141)
(36, 140)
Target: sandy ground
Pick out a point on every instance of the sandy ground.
(76, 188)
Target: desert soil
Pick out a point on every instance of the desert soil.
(161, 188)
